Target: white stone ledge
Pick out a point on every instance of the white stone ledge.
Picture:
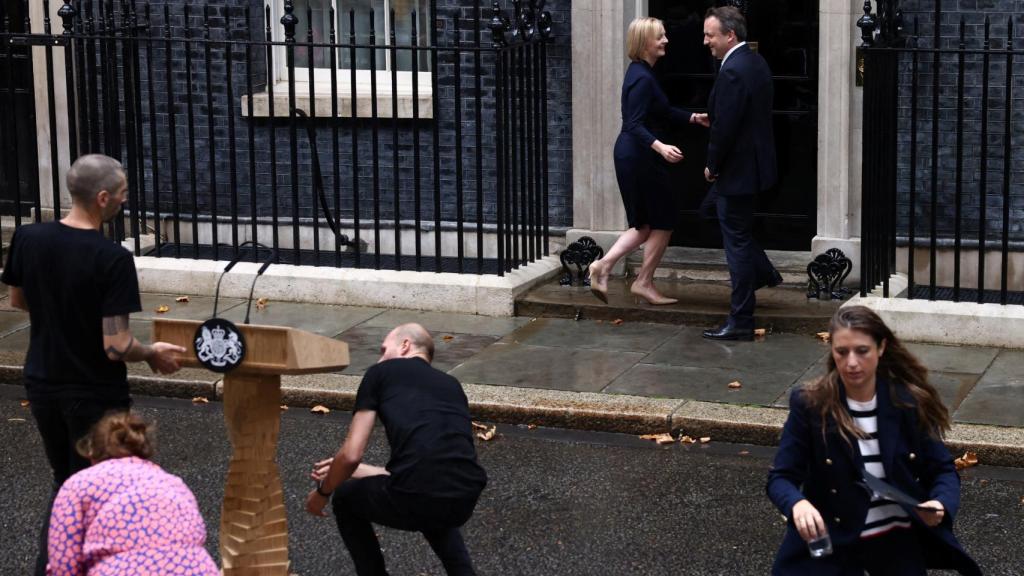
(322, 103)
(941, 322)
(487, 295)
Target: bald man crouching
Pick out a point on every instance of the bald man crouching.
(432, 481)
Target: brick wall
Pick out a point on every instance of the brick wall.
(205, 165)
(950, 108)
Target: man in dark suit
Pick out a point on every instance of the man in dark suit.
(741, 162)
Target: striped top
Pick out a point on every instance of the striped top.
(883, 515)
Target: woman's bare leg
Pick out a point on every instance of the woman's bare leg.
(627, 242)
(654, 249)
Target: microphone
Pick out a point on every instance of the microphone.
(216, 293)
(218, 343)
(248, 307)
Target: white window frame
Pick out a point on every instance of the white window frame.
(322, 76)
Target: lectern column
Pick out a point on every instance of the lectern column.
(253, 527)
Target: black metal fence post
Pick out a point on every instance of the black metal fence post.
(181, 113)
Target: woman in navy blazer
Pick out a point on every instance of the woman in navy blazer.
(816, 480)
(641, 164)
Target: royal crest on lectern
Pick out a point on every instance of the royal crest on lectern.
(219, 345)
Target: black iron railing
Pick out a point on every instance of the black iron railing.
(940, 149)
(224, 144)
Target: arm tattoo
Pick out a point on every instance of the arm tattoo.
(114, 324)
(116, 354)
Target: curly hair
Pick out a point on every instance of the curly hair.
(897, 365)
(117, 435)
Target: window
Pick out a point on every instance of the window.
(401, 89)
(404, 11)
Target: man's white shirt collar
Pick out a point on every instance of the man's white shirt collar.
(731, 50)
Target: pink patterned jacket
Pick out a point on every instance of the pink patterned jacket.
(127, 516)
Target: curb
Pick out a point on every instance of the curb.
(994, 445)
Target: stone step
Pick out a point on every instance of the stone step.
(709, 264)
(701, 303)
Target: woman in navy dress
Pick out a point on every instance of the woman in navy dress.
(873, 413)
(641, 164)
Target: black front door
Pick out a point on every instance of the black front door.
(785, 32)
(19, 177)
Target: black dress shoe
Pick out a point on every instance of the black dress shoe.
(728, 332)
(775, 279)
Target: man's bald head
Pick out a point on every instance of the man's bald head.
(93, 173)
(408, 340)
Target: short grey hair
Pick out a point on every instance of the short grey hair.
(92, 173)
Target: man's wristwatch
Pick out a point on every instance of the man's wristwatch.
(320, 489)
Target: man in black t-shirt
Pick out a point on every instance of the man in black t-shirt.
(432, 481)
(78, 288)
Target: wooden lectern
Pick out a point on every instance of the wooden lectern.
(253, 527)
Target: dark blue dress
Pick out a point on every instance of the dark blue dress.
(642, 173)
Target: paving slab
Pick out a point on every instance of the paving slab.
(998, 397)
(449, 322)
(779, 353)
(325, 320)
(961, 359)
(706, 384)
(953, 388)
(450, 349)
(12, 321)
(197, 308)
(553, 368)
(593, 334)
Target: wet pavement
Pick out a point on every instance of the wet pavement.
(601, 356)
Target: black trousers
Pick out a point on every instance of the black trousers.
(61, 422)
(358, 504)
(749, 267)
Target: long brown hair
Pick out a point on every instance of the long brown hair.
(117, 435)
(897, 365)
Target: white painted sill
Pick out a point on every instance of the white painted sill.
(322, 100)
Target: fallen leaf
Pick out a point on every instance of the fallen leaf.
(664, 438)
(24, 403)
(320, 409)
(261, 303)
(283, 407)
(735, 384)
(824, 336)
(479, 426)
(760, 332)
(447, 338)
(705, 439)
(966, 461)
(531, 426)
(686, 440)
(200, 400)
(618, 322)
(488, 434)
(162, 308)
(181, 299)
(744, 452)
